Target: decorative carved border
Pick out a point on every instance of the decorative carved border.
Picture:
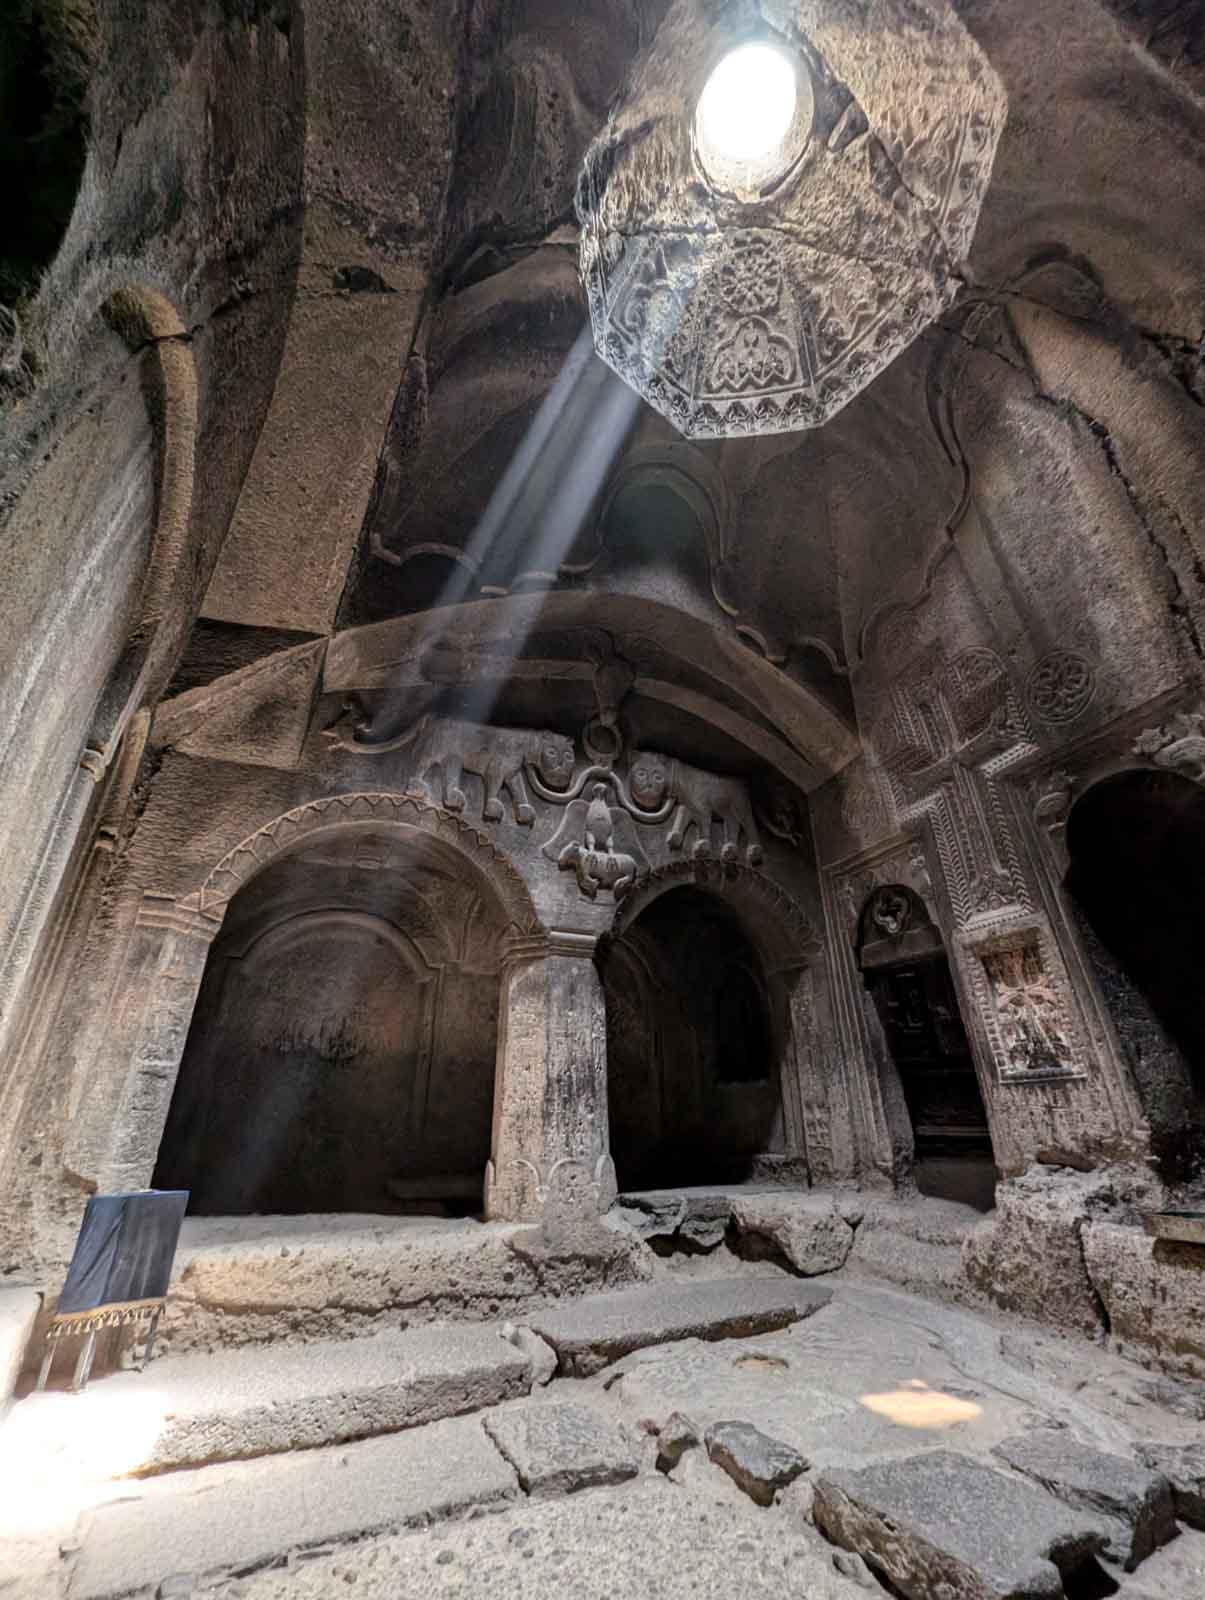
(280, 835)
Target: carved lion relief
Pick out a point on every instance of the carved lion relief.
(606, 813)
(497, 756)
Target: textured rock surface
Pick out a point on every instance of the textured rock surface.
(1029, 1256)
(557, 1447)
(811, 1234)
(1153, 1293)
(942, 1523)
(636, 1540)
(1184, 1468)
(1120, 1491)
(249, 1280)
(590, 1335)
(756, 1463)
(250, 1403)
(915, 1244)
(838, 1388)
(249, 1515)
(538, 1351)
(18, 1312)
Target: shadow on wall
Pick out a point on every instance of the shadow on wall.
(692, 1067)
(342, 1052)
(1136, 844)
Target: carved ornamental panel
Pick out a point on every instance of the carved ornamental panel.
(608, 822)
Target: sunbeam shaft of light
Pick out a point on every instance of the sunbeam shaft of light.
(544, 495)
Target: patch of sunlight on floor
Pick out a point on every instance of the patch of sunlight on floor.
(58, 1450)
(916, 1405)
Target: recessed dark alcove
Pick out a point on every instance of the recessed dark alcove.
(907, 974)
(693, 1090)
(342, 1052)
(1136, 844)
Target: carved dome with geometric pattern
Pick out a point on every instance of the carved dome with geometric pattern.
(747, 302)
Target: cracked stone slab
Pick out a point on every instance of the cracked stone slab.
(235, 1518)
(591, 1333)
(557, 1448)
(1184, 1467)
(944, 1524)
(1134, 1499)
(254, 1402)
(753, 1460)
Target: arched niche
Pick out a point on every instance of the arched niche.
(708, 979)
(1136, 851)
(906, 971)
(693, 1046)
(342, 1051)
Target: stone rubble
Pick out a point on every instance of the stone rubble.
(759, 1465)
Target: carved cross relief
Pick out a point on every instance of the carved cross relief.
(953, 731)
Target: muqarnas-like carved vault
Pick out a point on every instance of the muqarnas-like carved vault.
(738, 301)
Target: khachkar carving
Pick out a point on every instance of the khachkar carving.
(739, 301)
(1177, 746)
(954, 727)
(1023, 996)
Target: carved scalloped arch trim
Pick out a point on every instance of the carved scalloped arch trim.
(776, 924)
(284, 833)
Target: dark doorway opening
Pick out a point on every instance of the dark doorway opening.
(342, 1051)
(692, 1068)
(1136, 844)
(907, 974)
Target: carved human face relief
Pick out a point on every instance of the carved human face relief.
(649, 780)
(555, 760)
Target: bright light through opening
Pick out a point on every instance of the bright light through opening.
(747, 104)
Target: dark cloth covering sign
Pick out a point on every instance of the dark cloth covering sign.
(123, 1256)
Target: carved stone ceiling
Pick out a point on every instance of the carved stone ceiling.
(743, 297)
(791, 545)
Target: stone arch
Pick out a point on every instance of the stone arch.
(777, 926)
(355, 973)
(777, 982)
(146, 319)
(286, 832)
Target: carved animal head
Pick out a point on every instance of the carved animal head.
(649, 779)
(555, 759)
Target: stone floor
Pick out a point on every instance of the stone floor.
(867, 1439)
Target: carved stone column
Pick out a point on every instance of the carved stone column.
(550, 1145)
(125, 1103)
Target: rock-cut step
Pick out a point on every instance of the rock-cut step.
(590, 1333)
(255, 1402)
